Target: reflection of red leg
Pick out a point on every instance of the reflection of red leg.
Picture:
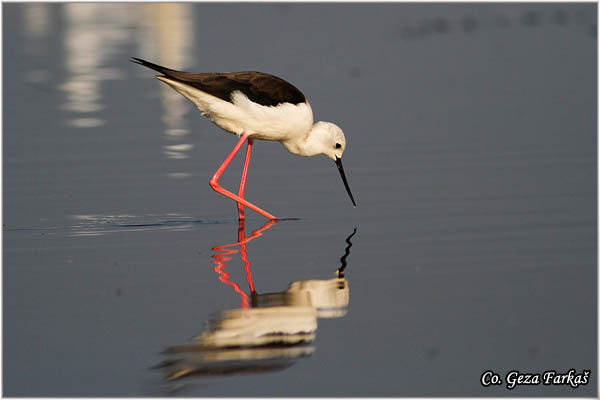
(220, 259)
(244, 255)
(243, 180)
(214, 181)
(242, 240)
(223, 253)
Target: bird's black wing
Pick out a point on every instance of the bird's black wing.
(261, 88)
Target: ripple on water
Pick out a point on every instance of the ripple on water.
(96, 225)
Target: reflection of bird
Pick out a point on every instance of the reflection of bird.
(271, 334)
(256, 105)
(328, 297)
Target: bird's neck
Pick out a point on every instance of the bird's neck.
(309, 145)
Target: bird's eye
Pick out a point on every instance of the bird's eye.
(338, 146)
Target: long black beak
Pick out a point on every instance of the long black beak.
(338, 162)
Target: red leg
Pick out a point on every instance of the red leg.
(243, 180)
(214, 181)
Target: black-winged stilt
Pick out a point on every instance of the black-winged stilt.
(256, 105)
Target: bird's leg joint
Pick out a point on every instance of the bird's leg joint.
(214, 181)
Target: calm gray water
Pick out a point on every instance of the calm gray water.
(472, 153)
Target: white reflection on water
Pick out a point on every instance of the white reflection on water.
(37, 19)
(95, 34)
(177, 150)
(92, 36)
(166, 37)
(179, 175)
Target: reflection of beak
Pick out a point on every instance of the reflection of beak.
(338, 162)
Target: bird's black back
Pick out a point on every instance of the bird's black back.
(260, 87)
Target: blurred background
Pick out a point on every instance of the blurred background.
(471, 152)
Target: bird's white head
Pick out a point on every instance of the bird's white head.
(328, 139)
(323, 138)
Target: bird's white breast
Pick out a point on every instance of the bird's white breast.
(285, 121)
